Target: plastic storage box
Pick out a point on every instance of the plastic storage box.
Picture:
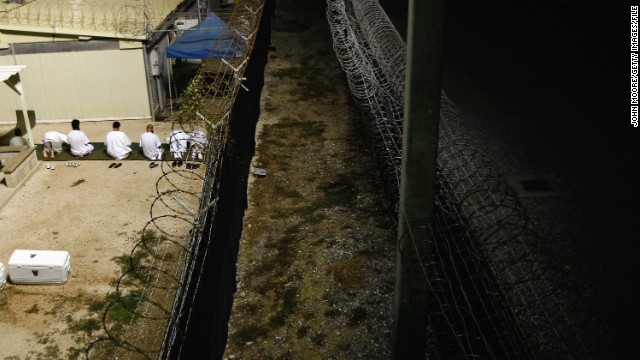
(39, 267)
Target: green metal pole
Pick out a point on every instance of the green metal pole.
(417, 186)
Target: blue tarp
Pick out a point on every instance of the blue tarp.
(211, 39)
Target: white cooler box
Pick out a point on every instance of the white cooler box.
(39, 267)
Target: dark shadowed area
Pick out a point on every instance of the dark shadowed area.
(542, 88)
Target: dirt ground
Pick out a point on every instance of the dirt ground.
(316, 262)
(96, 213)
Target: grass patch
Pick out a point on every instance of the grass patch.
(273, 141)
(287, 192)
(281, 245)
(134, 265)
(302, 331)
(277, 263)
(287, 307)
(310, 80)
(124, 309)
(96, 306)
(249, 333)
(280, 213)
(318, 338)
(270, 107)
(307, 129)
(87, 325)
(332, 313)
(313, 219)
(341, 192)
(272, 269)
(348, 272)
(51, 352)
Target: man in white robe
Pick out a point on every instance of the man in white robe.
(52, 143)
(178, 145)
(118, 143)
(78, 140)
(17, 139)
(150, 144)
(198, 142)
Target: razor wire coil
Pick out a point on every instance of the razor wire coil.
(491, 293)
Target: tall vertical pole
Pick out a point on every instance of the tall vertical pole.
(417, 185)
(16, 85)
(18, 88)
(27, 122)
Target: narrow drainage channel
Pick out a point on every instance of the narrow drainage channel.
(206, 334)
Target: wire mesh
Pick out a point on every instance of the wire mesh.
(125, 17)
(218, 85)
(492, 294)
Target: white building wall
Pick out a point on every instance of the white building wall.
(88, 85)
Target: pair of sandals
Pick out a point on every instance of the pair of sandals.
(114, 165)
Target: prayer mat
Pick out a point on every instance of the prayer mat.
(99, 153)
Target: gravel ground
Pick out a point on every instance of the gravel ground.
(315, 269)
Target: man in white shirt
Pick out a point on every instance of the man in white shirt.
(177, 145)
(197, 142)
(52, 142)
(78, 140)
(150, 144)
(17, 139)
(118, 143)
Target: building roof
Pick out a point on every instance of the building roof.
(112, 18)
